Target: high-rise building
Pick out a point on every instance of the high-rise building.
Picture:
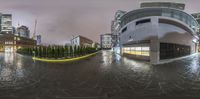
(39, 39)
(106, 41)
(197, 17)
(6, 24)
(115, 30)
(10, 41)
(23, 31)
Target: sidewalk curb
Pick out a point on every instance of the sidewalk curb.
(62, 60)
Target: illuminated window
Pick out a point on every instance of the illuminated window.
(141, 51)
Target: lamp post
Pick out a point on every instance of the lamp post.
(34, 55)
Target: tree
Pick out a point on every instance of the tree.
(36, 51)
(71, 51)
(66, 51)
(81, 50)
(45, 52)
(75, 50)
(49, 51)
(40, 51)
(53, 51)
(62, 51)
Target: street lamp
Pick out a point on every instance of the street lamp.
(34, 55)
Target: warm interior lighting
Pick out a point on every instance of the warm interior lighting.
(143, 51)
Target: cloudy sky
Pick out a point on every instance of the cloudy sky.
(59, 20)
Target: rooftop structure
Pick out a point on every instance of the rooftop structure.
(173, 5)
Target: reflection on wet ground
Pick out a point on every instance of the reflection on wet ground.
(105, 75)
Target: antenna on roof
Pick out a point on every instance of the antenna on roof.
(34, 33)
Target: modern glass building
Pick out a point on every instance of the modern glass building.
(158, 31)
(23, 31)
(106, 41)
(6, 23)
(115, 29)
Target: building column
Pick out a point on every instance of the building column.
(154, 42)
(154, 50)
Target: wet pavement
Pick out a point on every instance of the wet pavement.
(105, 75)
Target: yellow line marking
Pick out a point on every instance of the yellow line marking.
(63, 60)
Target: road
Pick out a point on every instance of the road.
(105, 75)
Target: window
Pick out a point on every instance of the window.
(124, 29)
(170, 50)
(143, 21)
(140, 51)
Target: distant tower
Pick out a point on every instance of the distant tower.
(34, 33)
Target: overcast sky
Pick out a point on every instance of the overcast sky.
(59, 20)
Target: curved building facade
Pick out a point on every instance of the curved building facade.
(159, 33)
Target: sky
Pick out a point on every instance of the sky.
(59, 20)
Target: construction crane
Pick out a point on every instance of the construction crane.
(34, 33)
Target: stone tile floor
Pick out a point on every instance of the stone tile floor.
(103, 76)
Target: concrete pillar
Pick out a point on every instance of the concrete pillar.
(154, 42)
(154, 50)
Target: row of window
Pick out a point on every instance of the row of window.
(8, 42)
(136, 14)
(143, 21)
(137, 23)
(141, 51)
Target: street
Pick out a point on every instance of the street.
(105, 75)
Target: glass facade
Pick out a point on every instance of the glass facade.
(163, 4)
(141, 51)
(169, 50)
(6, 23)
(106, 41)
(166, 12)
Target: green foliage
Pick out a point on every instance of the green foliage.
(53, 51)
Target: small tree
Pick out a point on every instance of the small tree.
(66, 51)
(62, 51)
(40, 51)
(81, 50)
(49, 51)
(45, 52)
(53, 51)
(36, 51)
(71, 51)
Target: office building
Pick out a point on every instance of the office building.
(23, 31)
(11, 42)
(106, 41)
(115, 29)
(81, 41)
(6, 23)
(158, 31)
